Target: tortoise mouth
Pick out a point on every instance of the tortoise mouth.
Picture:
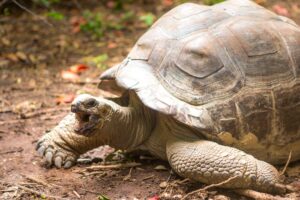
(86, 123)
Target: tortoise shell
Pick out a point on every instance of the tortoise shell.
(232, 67)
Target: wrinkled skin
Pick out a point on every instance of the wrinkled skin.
(98, 121)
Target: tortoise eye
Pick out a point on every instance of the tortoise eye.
(104, 111)
(91, 102)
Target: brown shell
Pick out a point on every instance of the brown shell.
(231, 67)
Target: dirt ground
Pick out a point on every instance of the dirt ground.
(35, 92)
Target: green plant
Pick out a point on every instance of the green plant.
(6, 11)
(97, 24)
(212, 2)
(55, 15)
(46, 3)
(119, 4)
(94, 23)
(147, 19)
(102, 197)
(99, 61)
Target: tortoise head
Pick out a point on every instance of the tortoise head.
(91, 114)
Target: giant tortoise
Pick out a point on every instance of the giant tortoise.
(214, 90)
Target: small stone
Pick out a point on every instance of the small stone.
(163, 184)
(177, 196)
(160, 168)
(166, 195)
(221, 197)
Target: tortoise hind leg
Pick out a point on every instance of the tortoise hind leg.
(209, 162)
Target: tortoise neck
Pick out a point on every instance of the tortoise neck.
(130, 126)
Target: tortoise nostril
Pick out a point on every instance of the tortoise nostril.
(91, 102)
(74, 108)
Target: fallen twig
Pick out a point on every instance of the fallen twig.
(115, 166)
(128, 176)
(148, 177)
(26, 189)
(6, 111)
(76, 194)
(36, 180)
(258, 195)
(209, 186)
(80, 82)
(3, 2)
(92, 192)
(19, 149)
(286, 164)
(14, 121)
(37, 192)
(44, 111)
(94, 173)
(32, 13)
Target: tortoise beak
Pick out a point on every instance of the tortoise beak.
(74, 108)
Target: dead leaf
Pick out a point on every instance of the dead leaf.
(167, 2)
(69, 75)
(155, 197)
(21, 55)
(12, 57)
(33, 58)
(4, 63)
(293, 171)
(78, 68)
(296, 184)
(296, 8)
(111, 45)
(65, 99)
(76, 22)
(26, 106)
(5, 41)
(110, 4)
(281, 10)
(160, 167)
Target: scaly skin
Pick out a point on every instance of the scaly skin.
(62, 146)
(123, 128)
(209, 162)
(131, 127)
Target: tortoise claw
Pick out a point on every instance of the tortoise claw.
(68, 164)
(41, 150)
(55, 155)
(58, 161)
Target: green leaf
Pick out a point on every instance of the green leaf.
(212, 2)
(55, 15)
(148, 19)
(127, 16)
(101, 58)
(103, 197)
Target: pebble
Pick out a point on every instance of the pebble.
(163, 184)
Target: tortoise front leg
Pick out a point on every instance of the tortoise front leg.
(62, 146)
(209, 162)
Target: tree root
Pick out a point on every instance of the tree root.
(258, 195)
(209, 186)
